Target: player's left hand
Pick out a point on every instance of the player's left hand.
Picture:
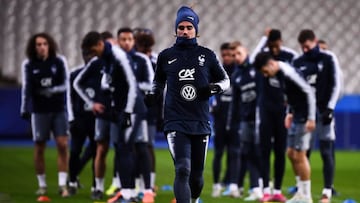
(327, 116)
(208, 91)
(126, 120)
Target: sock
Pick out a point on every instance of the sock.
(62, 178)
(116, 181)
(233, 187)
(297, 180)
(41, 180)
(217, 185)
(195, 200)
(99, 184)
(305, 188)
(73, 184)
(327, 192)
(152, 179)
(276, 192)
(261, 183)
(267, 190)
(126, 193)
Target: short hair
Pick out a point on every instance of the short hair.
(124, 29)
(235, 44)
(305, 35)
(274, 35)
(91, 39)
(225, 46)
(31, 45)
(321, 41)
(144, 40)
(261, 60)
(106, 35)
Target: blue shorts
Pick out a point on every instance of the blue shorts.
(298, 138)
(106, 130)
(43, 124)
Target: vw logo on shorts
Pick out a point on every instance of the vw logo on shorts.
(188, 92)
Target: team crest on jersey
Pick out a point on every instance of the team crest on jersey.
(201, 59)
(188, 92)
(186, 74)
(53, 69)
(320, 66)
(90, 92)
(274, 82)
(252, 73)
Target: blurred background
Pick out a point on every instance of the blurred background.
(336, 22)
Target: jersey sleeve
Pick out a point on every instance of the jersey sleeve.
(146, 83)
(218, 74)
(26, 88)
(337, 77)
(130, 78)
(160, 76)
(303, 85)
(79, 80)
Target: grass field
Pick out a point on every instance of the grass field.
(18, 182)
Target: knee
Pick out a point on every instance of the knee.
(326, 148)
(182, 168)
(234, 152)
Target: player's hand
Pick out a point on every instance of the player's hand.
(150, 100)
(267, 31)
(288, 120)
(25, 115)
(327, 116)
(208, 91)
(126, 120)
(98, 108)
(310, 125)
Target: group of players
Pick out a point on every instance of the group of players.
(276, 100)
(103, 100)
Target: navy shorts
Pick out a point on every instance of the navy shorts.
(45, 124)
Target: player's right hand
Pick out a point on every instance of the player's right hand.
(150, 100)
(288, 120)
(98, 108)
(310, 125)
(25, 115)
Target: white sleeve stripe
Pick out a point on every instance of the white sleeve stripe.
(304, 86)
(67, 89)
(24, 89)
(258, 48)
(337, 81)
(130, 78)
(78, 88)
(292, 51)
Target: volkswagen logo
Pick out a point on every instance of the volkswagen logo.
(188, 92)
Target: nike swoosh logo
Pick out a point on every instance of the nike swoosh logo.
(172, 61)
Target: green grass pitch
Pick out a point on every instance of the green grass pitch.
(18, 181)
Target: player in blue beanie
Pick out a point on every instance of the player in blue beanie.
(192, 74)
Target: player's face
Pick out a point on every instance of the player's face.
(98, 49)
(126, 41)
(227, 56)
(186, 29)
(274, 47)
(269, 69)
(42, 47)
(308, 45)
(240, 54)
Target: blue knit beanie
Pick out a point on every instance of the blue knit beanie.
(187, 14)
